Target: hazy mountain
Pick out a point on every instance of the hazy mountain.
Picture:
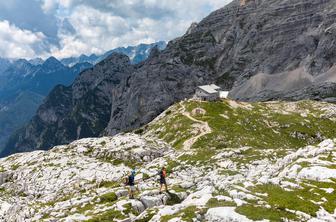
(24, 86)
(36, 61)
(136, 53)
(231, 47)
(4, 64)
(23, 76)
(17, 112)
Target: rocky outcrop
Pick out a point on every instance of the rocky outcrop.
(74, 183)
(235, 47)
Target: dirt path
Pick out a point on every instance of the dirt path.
(202, 127)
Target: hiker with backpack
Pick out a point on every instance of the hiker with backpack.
(130, 181)
(163, 182)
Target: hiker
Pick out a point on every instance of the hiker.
(163, 182)
(131, 183)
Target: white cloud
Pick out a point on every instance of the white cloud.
(106, 24)
(18, 43)
(95, 26)
(49, 5)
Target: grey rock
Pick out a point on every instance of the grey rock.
(5, 177)
(121, 193)
(150, 201)
(138, 206)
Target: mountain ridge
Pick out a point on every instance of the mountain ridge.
(38, 77)
(136, 53)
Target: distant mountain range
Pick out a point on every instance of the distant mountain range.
(25, 83)
(135, 53)
(23, 87)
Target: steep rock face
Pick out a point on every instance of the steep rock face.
(233, 46)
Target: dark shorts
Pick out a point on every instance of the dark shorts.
(163, 181)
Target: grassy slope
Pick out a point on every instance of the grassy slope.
(256, 125)
(278, 127)
(269, 130)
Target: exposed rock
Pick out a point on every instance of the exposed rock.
(224, 214)
(84, 180)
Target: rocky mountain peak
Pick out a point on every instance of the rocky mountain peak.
(52, 62)
(20, 63)
(117, 59)
(155, 51)
(191, 28)
(36, 61)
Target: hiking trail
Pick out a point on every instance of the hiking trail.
(202, 127)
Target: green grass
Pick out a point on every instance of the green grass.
(174, 128)
(261, 213)
(45, 216)
(129, 209)
(228, 172)
(108, 216)
(214, 202)
(304, 164)
(15, 166)
(297, 199)
(328, 158)
(84, 209)
(108, 197)
(258, 127)
(200, 156)
(186, 214)
(171, 164)
(314, 191)
(109, 184)
(149, 215)
(173, 199)
(103, 143)
(280, 199)
(178, 188)
(221, 193)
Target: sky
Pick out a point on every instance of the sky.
(64, 28)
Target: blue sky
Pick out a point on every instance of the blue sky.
(63, 28)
